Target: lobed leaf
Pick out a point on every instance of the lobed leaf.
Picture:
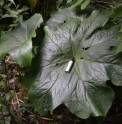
(83, 90)
(61, 16)
(18, 43)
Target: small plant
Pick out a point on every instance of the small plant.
(9, 10)
(5, 98)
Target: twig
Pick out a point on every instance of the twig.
(1, 81)
(119, 115)
(44, 118)
(17, 99)
(48, 119)
(20, 100)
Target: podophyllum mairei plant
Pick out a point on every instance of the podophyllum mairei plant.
(81, 38)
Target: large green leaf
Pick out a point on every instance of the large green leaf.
(18, 43)
(83, 90)
(62, 15)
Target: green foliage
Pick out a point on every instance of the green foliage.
(12, 2)
(3, 76)
(76, 3)
(3, 84)
(83, 3)
(1, 2)
(119, 49)
(58, 18)
(70, 33)
(83, 90)
(14, 13)
(18, 42)
(6, 113)
(4, 100)
(10, 96)
(117, 13)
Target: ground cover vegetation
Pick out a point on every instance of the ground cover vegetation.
(60, 62)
